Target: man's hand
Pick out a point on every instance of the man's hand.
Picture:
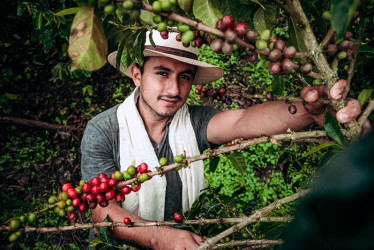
(175, 239)
(344, 115)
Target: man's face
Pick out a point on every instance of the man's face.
(164, 86)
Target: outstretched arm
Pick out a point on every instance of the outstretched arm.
(162, 237)
(272, 118)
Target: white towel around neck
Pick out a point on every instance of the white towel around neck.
(136, 148)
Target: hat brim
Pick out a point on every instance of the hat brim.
(205, 72)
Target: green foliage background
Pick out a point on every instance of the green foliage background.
(36, 83)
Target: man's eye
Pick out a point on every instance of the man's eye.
(162, 73)
(186, 77)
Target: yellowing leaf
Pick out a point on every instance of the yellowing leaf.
(88, 46)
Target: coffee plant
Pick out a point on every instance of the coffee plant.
(269, 51)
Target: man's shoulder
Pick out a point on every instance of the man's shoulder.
(106, 117)
(196, 110)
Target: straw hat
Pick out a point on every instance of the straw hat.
(170, 47)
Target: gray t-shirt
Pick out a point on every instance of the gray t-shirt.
(100, 150)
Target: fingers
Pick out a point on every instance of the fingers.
(312, 94)
(337, 90)
(349, 112)
(366, 128)
(197, 238)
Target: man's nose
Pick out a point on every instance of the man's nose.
(172, 87)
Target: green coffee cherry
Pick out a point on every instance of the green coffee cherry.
(126, 175)
(156, 6)
(134, 14)
(14, 224)
(108, 9)
(31, 218)
(128, 5)
(161, 26)
(12, 237)
(118, 175)
(183, 27)
(52, 200)
(261, 44)
(163, 161)
(265, 35)
(157, 19)
(187, 36)
(178, 158)
(143, 177)
(131, 170)
(23, 219)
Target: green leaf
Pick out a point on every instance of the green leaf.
(364, 48)
(326, 159)
(205, 11)
(88, 46)
(264, 18)
(295, 37)
(185, 5)
(341, 14)
(65, 12)
(213, 163)
(318, 148)
(40, 20)
(95, 242)
(332, 128)
(308, 6)
(120, 53)
(146, 17)
(139, 46)
(13, 204)
(278, 85)
(238, 161)
(103, 231)
(364, 96)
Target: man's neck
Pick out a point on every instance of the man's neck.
(154, 124)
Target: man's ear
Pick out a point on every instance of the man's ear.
(136, 75)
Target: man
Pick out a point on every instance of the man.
(155, 122)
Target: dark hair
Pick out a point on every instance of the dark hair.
(142, 67)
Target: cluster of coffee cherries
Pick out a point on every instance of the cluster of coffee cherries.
(128, 7)
(16, 223)
(232, 32)
(98, 191)
(218, 94)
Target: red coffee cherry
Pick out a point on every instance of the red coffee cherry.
(72, 217)
(112, 182)
(100, 198)
(120, 198)
(95, 181)
(91, 198)
(66, 187)
(136, 187)
(86, 188)
(76, 202)
(178, 217)
(126, 220)
(82, 207)
(125, 190)
(95, 190)
(109, 195)
(72, 193)
(142, 168)
(240, 29)
(104, 203)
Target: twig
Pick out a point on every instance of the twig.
(252, 243)
(244, 144)
(364, 115)
(335, 63)
(77, 226)
(315, 75)
(352, 63)
(327, 38)
(39, 124)
(208, 243)
(277, 97)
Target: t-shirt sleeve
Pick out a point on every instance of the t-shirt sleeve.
(97, 148)
(200, 117)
